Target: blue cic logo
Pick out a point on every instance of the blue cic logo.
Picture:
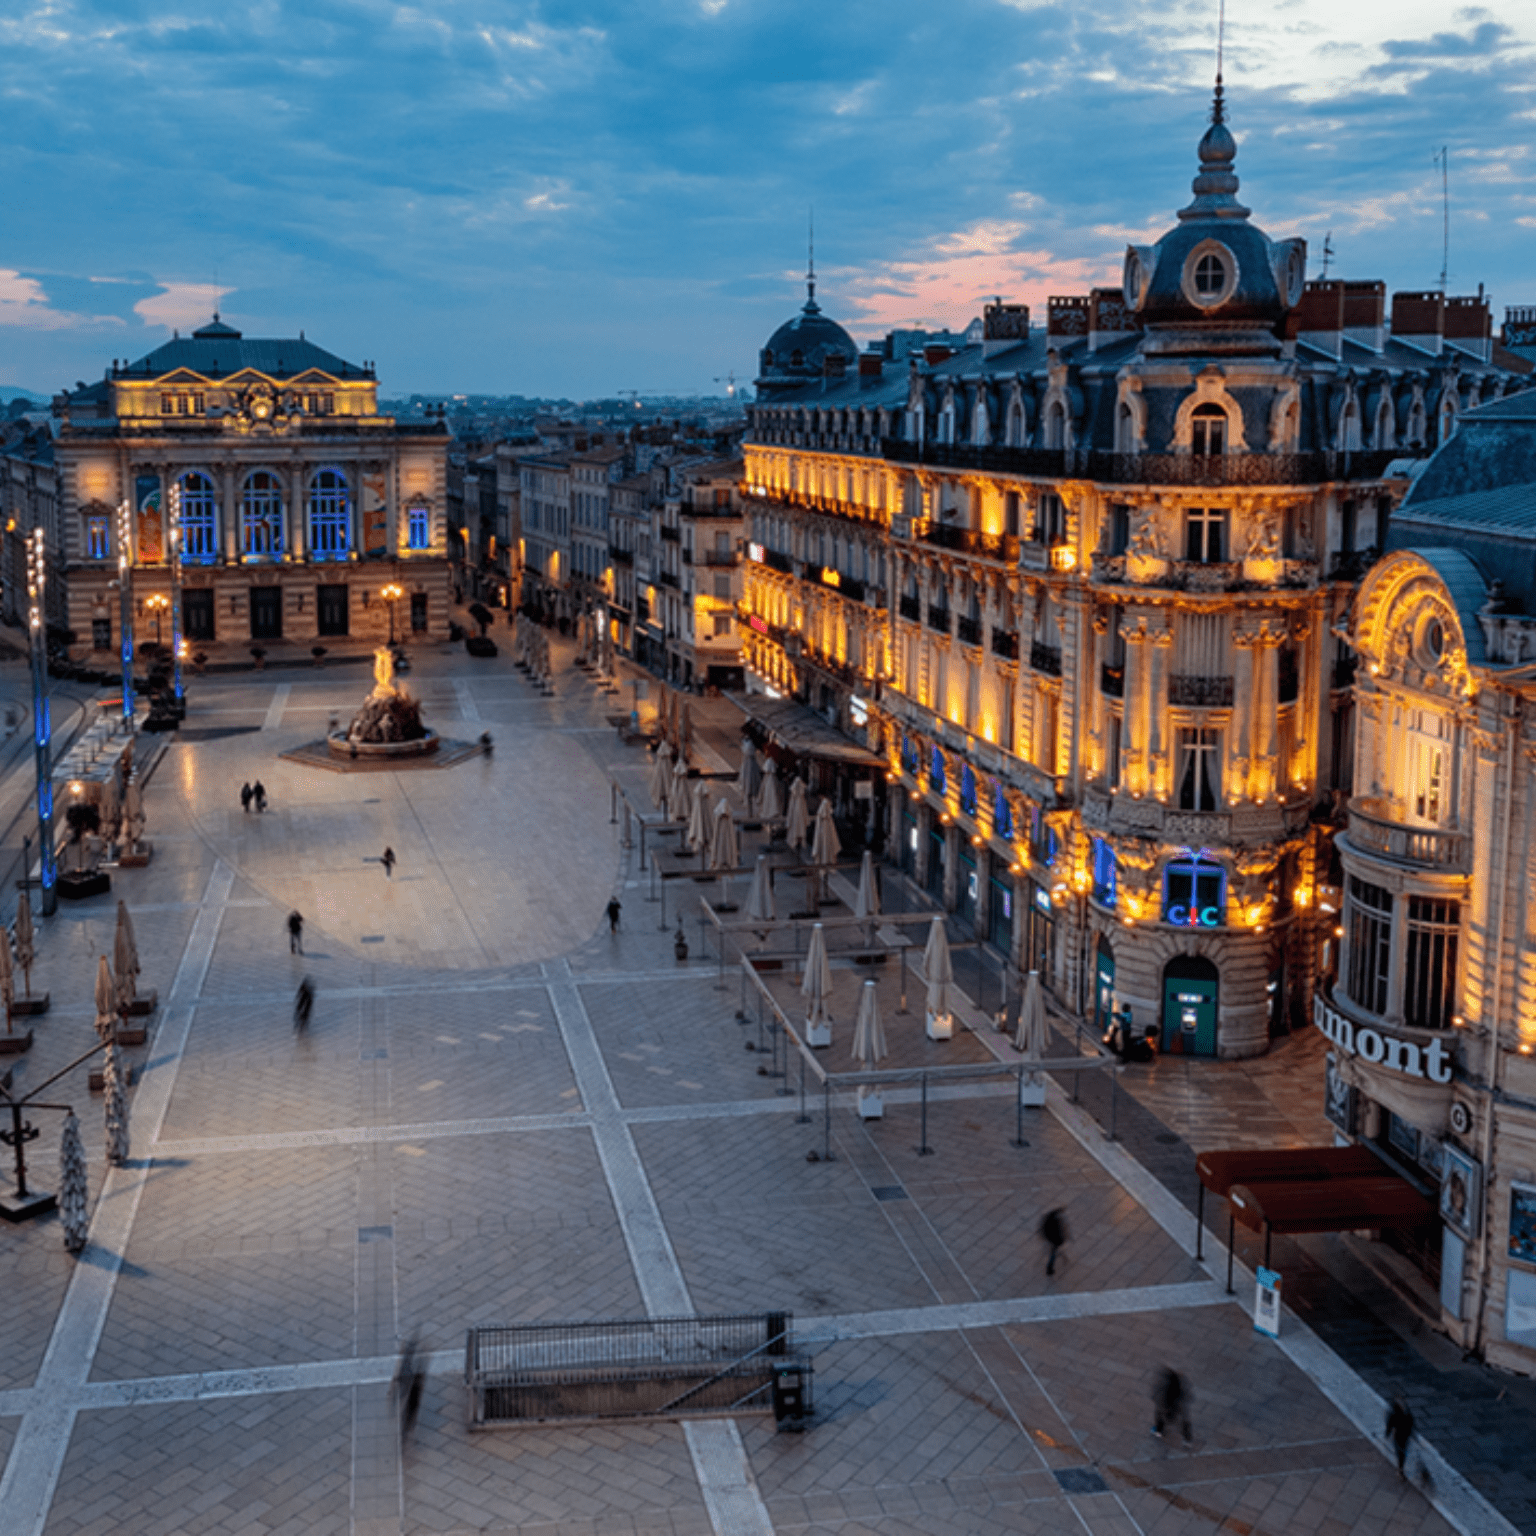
(1194, 891)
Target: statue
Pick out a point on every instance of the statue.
(383, 671)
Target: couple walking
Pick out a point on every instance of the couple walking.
(256, 793)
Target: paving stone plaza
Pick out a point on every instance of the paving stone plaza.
(503, 1113)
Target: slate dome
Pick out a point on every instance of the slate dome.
(798, 351)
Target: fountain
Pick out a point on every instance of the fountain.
(389, 724)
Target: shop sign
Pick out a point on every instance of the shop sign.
(760, 625)
(755, 552)
(1380, 1047)
(1266, 1302)
(858, 709)
(1194, 917)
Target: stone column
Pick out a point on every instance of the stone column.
(1159, 739)
(1243, 747)
(297, 526)
(1267, 722)
(229, 515)
(1134, 772)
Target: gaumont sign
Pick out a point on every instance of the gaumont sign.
(1381, 1047)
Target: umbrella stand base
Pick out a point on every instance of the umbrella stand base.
(96, 1079)
(1032, 1095)
(871, 1104)
(136, 858)
(144, 1003)
(31, 1006)
(941, 1026)
(13, 1044)
(818, 1033)
(131, 1036)
(18, 1208)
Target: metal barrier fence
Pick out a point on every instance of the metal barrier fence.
(667, 1367)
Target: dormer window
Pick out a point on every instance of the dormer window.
(1210, 274)
(1208, 431)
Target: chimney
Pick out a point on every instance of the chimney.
(1365, 314)
(1109, 317)
(1066, 316)
(1319, 319)
(1419, 319)
(933, 356)
(1003, 326)
(835, 365)
(871, 366)
(1469, 325)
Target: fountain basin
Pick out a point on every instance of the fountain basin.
(381, 751)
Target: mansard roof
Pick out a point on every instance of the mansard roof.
(218, 351)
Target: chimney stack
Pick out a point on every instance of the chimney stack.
(1365, 314)
(1319, 319)
(1419, 320)
(1469, 325)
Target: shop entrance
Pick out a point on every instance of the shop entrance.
(967, 889)
(1189, 1006)
(937, 846)
(908, 843)
(1103, 987)
(1000, 915)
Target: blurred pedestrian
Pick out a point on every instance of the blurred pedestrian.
(245, 797)
(1053, 1232)
(259, 791)
(1170, 1403)
(303, 1005)
(295, 934)
(1400, 1431)
(614, 908)
(388, 861)
(410, 1377)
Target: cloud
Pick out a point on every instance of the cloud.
(182, 306)
(25, 304)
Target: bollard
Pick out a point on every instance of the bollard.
(903, 954)
(826, 1123)
(925, 1150)
(802, 1118)
(1077, 1050)
(613, 804)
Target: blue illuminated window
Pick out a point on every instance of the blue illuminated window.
(261, 516)
(1042, 840)
(97, 540)
(940, 781)
(967, 789)
(199, 519)
(330, 516)
(1194, 893)
(1105, 874)
(909, 755)
(418, 529)
(1002, 812)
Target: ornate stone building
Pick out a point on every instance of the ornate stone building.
(299, 502)
(1079, 584)
(1429, 990)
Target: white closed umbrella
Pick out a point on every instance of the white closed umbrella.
(111, 811)
(867, 902)
(74, 1194)
(698, 819)
(816, 988)
(770, 803)
(869, 1049)
(1029, 1041)
(939, 972)
(760, 893)
(661, 776)
(825, 846)
(106, 999)
(750, 779)
(797, 825)
(724, 846)
(679, 800)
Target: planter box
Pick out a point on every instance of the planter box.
(145, 1003)
(818, 1033)
(16, 1042)
(30, 1007)
(80, 886)
(941, 1026)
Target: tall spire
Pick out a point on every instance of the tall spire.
(811, 306)
(1218, 111)
(1215, 187)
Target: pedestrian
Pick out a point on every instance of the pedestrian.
(245, 797)
(1400, 1431)
(1170, 1403)
(614, 908)
(259, 790)
(303, 1005)
(410, 1377)
(295, 933)
(388, 861)
(1053, 1232)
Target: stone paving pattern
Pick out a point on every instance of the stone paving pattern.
(320, 1199)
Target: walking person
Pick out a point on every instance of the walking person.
(1400, 1431)
(1053, 1232)
(295, 933)
(410, 1377)
(245, 797)
(259, 790)
(614, 908)
(1170, 1403)
(388, 861)
(303, 1005)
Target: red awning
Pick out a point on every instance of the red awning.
(1219, 1171)
(1331, 1205)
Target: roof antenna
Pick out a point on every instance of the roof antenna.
(215, 292)
(810, 269)
(1218, 114)
(1327, 251)
(1443, 155)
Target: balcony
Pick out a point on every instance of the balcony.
(1196, 692)
(968, 630)
(621, 556)
(1374, 831)
(984, 546)
(666, 579)
(1005, 643)
(938, 618)
(671, 535)
(1181, 469)
(911, 608)
(1112, 681)
(1045, 658)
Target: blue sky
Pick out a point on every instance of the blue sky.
(591, 197)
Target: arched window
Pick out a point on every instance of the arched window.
(199, 519)
(1056, 425)
(1014, 432)
(330, 516)
(261, 516)
(1208, 431)
(939, 780)
(1106, 874)
(1125, 429)
(1194, 892)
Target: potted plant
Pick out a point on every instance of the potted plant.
(83, 820)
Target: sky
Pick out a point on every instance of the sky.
(585, 199)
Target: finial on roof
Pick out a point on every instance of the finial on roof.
(811, 306)
(1218, 113)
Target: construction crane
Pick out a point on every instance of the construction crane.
(729, 380)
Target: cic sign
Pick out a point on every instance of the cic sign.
(1382, 1048)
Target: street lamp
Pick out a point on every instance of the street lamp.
(157, 605)
(42, 726)
(178, 641)
(125, 603)
(392, 593)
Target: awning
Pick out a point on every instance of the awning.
(802, 731)
(1219, 1171)
(1331, 1205)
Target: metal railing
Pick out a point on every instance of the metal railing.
(1372, 829)
(1199, 692)
(1045, 658)
(1005, 643)
(1112, 680)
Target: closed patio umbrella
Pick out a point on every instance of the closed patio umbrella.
(698, 819)
(133, 815)
(125, 960)
(770, 803)
(115, 1107)
(26, 945)
(797, 825)
(106, 999)
(869, 1049)
(825, 846)
(661, 774)
(7, 979)
(750, 779)
(867, 902)
(1029, 1040)
(74, 1193)
(724, 845)
(939, 972)
(760, 893)
(679, 800)
(111, 810)
(816, 988)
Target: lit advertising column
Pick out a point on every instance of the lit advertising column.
(125, 604)
(178, 645)
(42, 725)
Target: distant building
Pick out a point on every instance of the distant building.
(711, 524)
(29, 499)
(300, 503)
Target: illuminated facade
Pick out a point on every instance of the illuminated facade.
(1078, 584)
(1429, 991)
(299, 503)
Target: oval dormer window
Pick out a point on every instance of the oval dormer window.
(797, 359)
(1210, 274)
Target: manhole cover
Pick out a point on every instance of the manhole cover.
(889, 1192)
(1081, 1480)
(375, 1234)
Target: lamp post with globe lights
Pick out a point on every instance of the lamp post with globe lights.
(125, 603)
(42, 724)
(392, 593)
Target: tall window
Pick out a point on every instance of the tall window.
(418, 533)
(1205, 534)
(1208, 431)
(1369, 929)
(1105, 874)
(967, 789)
(1429, 988)
(330, 516)
(1050, 519)
(199, 519)
(1198, 768)
(1002, 812)
(98, 544)
(1194, 892)
(261, 516)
